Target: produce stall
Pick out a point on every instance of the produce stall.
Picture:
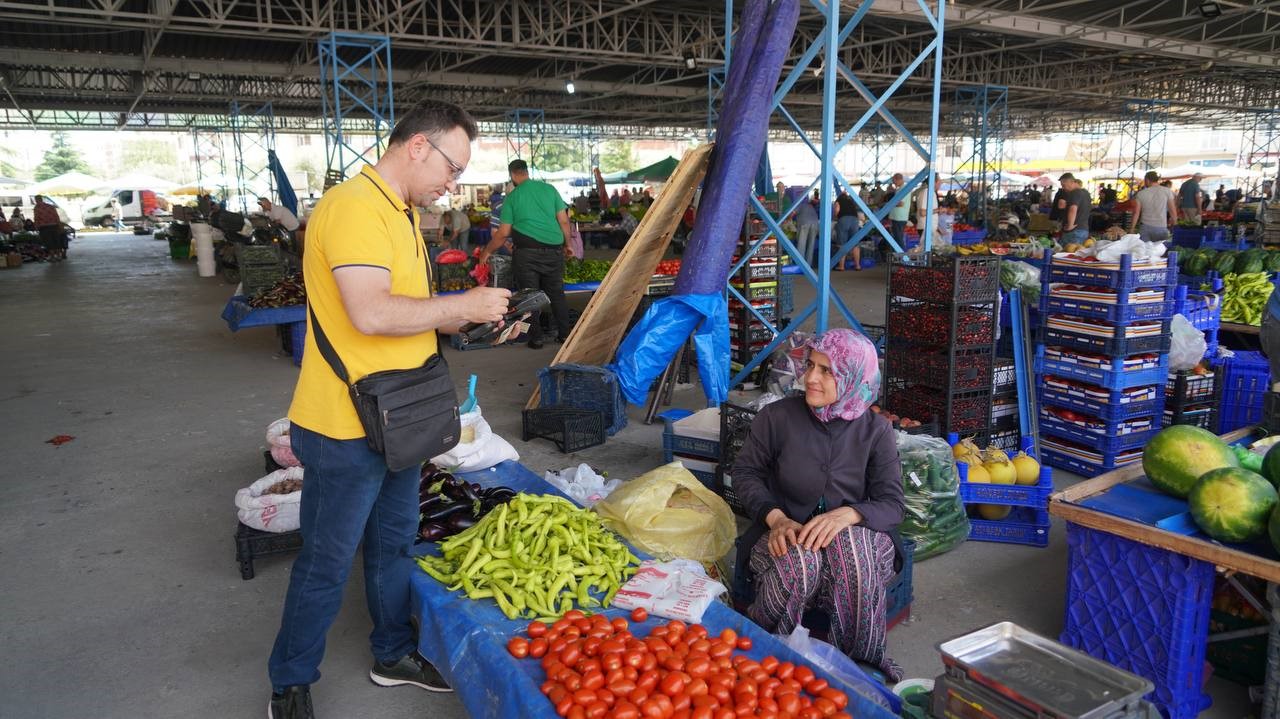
(1141, 570)
(290, 322)
(471, 642)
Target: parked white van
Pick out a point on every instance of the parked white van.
(139, 207)
(10, 199)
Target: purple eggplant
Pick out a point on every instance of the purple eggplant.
(433, 532)
(440, 513)
(460, 521)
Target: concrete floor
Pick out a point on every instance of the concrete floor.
(121, 596)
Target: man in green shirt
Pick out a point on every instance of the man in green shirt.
(534, 218)
(898, 215)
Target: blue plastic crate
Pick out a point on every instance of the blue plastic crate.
(899, 594)
(1024, 525)
(1125, 278)
(1246, 380)
(1143, 609)
(1084, 468)
(1114, 409)
(1195, 282)
(1115, 346)
(584, 387)
(968, 237)
(1105, 440)
(1121, 311)
(1116, 377)
(1187, 237)
(673, 444)
(1202, 309)
(1035, 495)
(1215, 238)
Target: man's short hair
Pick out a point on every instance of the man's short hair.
(263, 199)
(1066, 176)
(1151, 176)
(898, 175)
(517, 165)
(432, 118)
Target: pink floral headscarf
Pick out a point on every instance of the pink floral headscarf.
(857, 371)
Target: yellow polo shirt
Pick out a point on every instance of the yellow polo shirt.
(361, 222)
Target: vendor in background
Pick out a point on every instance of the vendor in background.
(808, 224)
(899, 214)
(846, 215)
(1075, 218)
(17, 220)
(52, 234)
(279, 214)
(455, 228)
(820, 476)
(534, 218)
(1189, 198)
(922, 209)
(1157, 211)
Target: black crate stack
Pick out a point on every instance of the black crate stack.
(1194, 397)
(1102, 360)
(759, 280)
(940, 340)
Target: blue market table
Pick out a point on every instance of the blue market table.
(291, 322)
(467, 640)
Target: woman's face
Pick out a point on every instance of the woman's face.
(819, 381)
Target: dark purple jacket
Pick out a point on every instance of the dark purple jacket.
(791, 460)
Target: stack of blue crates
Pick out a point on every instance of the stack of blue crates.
(1101, 382)
(1203, 310)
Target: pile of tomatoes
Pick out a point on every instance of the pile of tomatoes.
(596, 668)
(668, 267)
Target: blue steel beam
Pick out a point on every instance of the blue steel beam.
(1142, 138)
(355, 79)
(526, 132)
(1259, 147)
(254, 136)
(984, 110)
(828, 43)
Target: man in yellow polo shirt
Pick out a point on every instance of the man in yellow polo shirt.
(367, 285)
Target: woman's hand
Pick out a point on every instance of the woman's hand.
(820, 530)
(783, 532)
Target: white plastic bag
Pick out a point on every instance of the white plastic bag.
(1128, 245)
(278, 441)
(835, 663)
(1188, 345)
(479, 449)
(678, 589)
(270, 512)
(582, 484)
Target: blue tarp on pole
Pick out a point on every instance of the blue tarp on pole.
(647, 348)
(284, 188)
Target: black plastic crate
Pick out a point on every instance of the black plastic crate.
(929, 325)
(571, 429)
(1004, 375)
(750, 333)
(963, 412)
(257, 255)
(946, 280)
(767, 309)
(735, 423)
(1271, 412)
(255, 279)
(1204, 416)
(1185, 388)
(253, 543)
(958, 369)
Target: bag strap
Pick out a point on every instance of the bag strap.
(326, 349)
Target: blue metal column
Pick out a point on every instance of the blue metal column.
(1142, 139)
(210, 160)
(1260, 146)
(355, 79)
(253, 135)
(830, 180)
(985, 111)
(526, 131)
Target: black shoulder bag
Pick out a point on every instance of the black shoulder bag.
(408, 415)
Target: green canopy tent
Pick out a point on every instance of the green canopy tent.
(657, 172)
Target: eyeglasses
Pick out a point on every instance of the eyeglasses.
(457, 169)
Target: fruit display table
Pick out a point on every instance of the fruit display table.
(466, 640)
(1140, 584)
(291, 322)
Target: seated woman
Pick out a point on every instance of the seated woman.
(820, 475)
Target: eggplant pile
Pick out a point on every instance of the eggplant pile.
(447, 505)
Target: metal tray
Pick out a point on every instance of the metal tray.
(1040, 673)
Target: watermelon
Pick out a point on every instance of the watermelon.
(1271, 465)
(1273, 528)
(1225, 262)
(1209, 253)
(1198, 265)
(1232, 504)
(1273, 262)
(1247, 262)
(1176, 457)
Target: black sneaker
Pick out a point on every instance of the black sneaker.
(411, 669)
(293, 703)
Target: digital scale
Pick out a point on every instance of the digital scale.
(1007, 672)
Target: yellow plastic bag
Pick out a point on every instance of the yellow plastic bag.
(668, 513)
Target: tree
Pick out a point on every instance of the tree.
(556, 156)
(60, 158)
(151, 156)
(617, 156)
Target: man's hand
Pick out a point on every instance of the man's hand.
(483, 257)
(820, 530)
(568, 252)
(485, 304)
(783, 531)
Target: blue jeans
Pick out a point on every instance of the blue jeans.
(348, 496)
(898, 228)
(846, 227)
(1080, 234)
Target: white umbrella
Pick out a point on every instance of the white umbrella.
(211, 184)
(1232, 172)
(68, 183)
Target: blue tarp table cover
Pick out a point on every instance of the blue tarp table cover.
(238, 314)
(467, 640)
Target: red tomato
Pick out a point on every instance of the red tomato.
(648, 662)
(597, 710)
(724, 713)
(611, 661)
(841, 715)
(519, 647)
(671, 662)
(824, 706)
(728, 636)
(697, 687)
(606, 696)
(538, 647)
(803, 674)
(570, 654)
(769, 664)
(720, 649)
(561, 624)
(809, 713)
(681, 702)
(536, 629)
(633, 658)
(648, 681)
(701, 645)
(705, 700)
(671, 684)
(788, 702)
(651, 708)
(573, 614)
(835, 696)
(637, 696)
(625, 710)
(610, 646)
(592, 680)
(815, 686)
(744, 643)
(584, 697)
(577, 712)
(701, 713)
(564, 704)
(639, 614)
(785, 670)
(622, 687)
(675, 625)
(630, 673)
(619, 624)
(591, 647)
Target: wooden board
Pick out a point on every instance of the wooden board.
(597, 334)
(1239, 328)
(1063, 504)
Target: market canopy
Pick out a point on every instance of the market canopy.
(4, 180)
(657, 172)
(68, 183)
(208, 185)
